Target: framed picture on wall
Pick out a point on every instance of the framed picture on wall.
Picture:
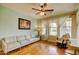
(23, 23)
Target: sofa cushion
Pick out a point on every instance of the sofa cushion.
(24, 42)
(28, 37)
(34, 34)
(34, 39)
(10, 39)
(13, 45)
(19, 38)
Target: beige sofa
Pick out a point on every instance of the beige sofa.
(14, 42)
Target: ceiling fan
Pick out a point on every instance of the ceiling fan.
(43, 10)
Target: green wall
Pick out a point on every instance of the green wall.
(9, 22)
(77, 24)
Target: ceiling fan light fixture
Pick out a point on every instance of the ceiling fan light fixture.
(42, 13)
(43, 10)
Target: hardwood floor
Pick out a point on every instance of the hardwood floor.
(39, 48)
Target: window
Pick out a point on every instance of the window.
(52, 28)
(66, 26)
(57, 26)
(43, 28)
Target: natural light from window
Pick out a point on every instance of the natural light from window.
(53, 28)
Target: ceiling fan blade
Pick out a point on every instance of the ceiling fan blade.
(49, 10)
(39, 10)
(36, 9)
(43, 9)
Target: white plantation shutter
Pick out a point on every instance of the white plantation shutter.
(53, 27)
(65, 26)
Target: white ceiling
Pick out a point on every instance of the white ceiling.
(26, 8)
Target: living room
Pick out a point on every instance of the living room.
(23, 28)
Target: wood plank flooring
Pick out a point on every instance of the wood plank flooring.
(39, 48)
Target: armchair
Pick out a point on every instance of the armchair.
(63, 41)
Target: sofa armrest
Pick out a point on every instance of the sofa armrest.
(4, 45)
